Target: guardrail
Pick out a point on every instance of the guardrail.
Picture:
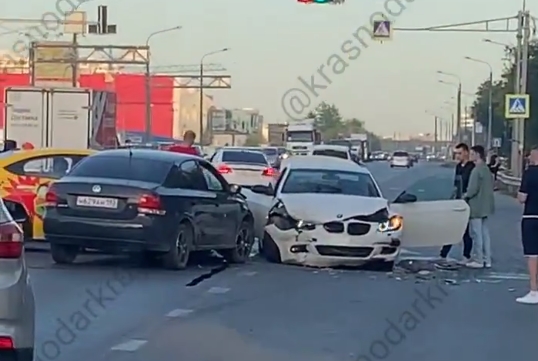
(508, 183)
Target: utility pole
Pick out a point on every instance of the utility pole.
(523, 84)
(516, 141)
(435, 137)
(458, 116)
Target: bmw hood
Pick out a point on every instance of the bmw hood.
(330, 207)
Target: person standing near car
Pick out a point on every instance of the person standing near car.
(528, 195)
(481, 198)
(188, 144)
(461, 182)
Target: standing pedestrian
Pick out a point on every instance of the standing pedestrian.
(528, 195)
(188, 144)
(481, 198)
(461, 182)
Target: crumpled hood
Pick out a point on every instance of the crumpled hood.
(326, 207)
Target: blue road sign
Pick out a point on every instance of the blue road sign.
(382, 29)
(517, 106)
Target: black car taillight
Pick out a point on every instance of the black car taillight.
(150, 204)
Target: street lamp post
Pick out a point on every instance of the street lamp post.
(147, 81)
(458, 103)
(490, 99)
(201, 110)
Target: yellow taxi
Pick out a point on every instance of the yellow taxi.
(25, 176)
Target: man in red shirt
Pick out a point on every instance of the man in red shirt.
(187, 146)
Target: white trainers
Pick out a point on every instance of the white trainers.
(474, 264)
(530, 298)
(464, 261)
(487, 264)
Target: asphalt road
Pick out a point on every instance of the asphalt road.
(115, 309)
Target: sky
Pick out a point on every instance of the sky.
(390, 85)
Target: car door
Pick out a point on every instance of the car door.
(30, 181)
(228, 208)
(435, 218)
(203, 203)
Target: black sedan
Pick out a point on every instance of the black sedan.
(162, 204)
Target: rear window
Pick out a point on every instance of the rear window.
(330, 153)
(245, 157)
(144, 170)
(400, 154)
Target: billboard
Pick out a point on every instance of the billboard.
(62, 71)
(217, 119)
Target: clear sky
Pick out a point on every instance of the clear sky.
(273, 42)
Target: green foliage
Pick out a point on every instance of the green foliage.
(502, 128)
(333, 126)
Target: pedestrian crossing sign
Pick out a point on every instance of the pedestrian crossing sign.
(517, 106)
(382, 30)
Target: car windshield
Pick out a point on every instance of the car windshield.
(330, 181)
(301, 136)
(119, 167)
(400, 154)
(244, 157)
(330, 153)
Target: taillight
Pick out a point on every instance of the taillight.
(51, 198)
(269, 172)
(224, 169)
(11, 242)
(150, 204)
(6, 343)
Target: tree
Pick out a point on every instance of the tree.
(503, 127)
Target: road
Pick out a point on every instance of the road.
(113, 309)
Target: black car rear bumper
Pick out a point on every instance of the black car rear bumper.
(141, 234)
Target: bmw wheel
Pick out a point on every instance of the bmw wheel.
(270, 250)
(177, 257)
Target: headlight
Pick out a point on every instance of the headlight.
(285, 156)
(395, 223)
(279, 216)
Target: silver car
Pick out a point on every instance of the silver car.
(17, 309)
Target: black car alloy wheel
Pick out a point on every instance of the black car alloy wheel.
(243, 244)
(178, 255)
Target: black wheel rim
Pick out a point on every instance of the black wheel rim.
(242, 243)
(182, 249)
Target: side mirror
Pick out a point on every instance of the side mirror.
(405, 198)
(261, 189)
(235, 189)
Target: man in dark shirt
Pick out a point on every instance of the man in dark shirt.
(461, 182)
(528, 195)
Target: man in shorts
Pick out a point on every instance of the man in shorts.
(528, 195)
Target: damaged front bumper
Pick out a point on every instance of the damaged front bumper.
(320, 248)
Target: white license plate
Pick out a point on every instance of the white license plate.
(97, 202)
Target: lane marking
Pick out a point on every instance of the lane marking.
(418, 258)
(218, 290)
(129, 346)
(408, 251)
(249, 274)
(507, 276)
(179, 312)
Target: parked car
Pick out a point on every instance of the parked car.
(162, 204)
(25, 176)
(17, 306)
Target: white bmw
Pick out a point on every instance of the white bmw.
(325, 212)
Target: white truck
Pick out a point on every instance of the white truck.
(302, 136)
(359, 146)
(69, 118)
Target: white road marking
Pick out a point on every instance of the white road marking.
(179, 313)
(248, 274)
(129, 346)
(507, 276)
(418, 258)
(218, 290)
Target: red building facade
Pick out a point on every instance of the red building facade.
(131, 98)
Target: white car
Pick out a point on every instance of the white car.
(244, 167)
(401, 159)
(329, 150)
(327, 212)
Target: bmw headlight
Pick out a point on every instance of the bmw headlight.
(280, 217)
(394, 223)
(285, 156)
